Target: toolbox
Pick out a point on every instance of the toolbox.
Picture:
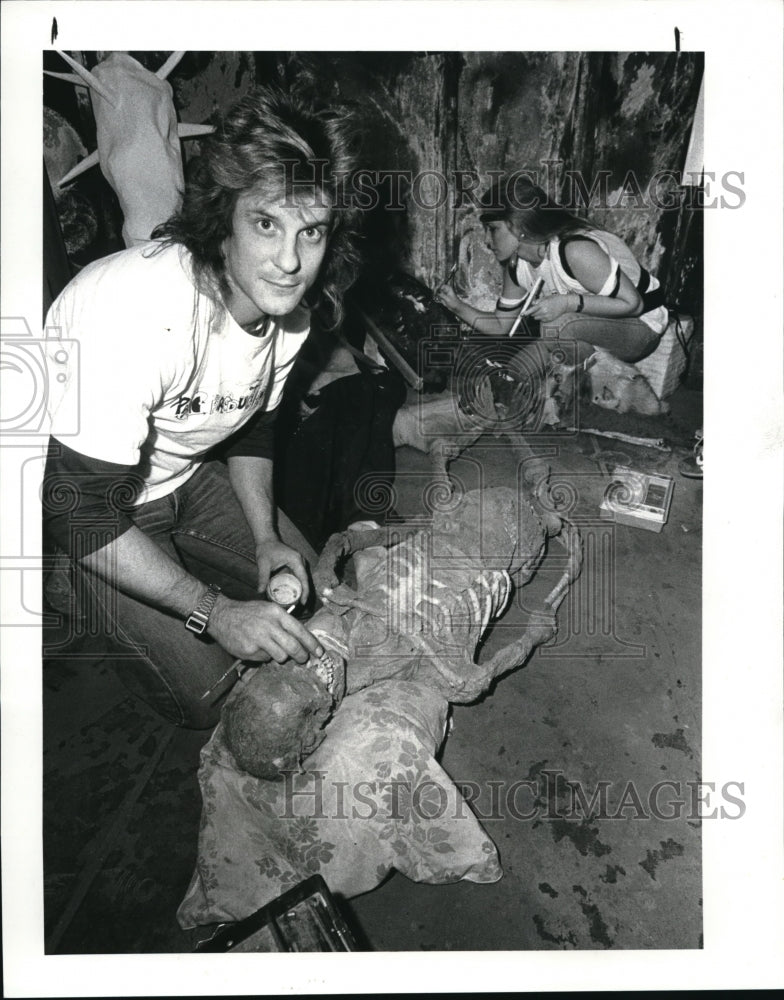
(304, 919)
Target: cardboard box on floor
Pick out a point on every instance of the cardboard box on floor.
(664, 367)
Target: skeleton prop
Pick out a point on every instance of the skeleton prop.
(422, 603)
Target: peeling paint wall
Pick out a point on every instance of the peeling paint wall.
(515, 112)
(398, 100)
(616, 121)
(208, 83)
(642, 132)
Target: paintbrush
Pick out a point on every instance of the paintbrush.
(447, 279)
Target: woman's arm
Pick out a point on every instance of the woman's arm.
(492, 324)
(591, 266)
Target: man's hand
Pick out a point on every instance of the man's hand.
(272, 555)
(261, 630)
(251, 480)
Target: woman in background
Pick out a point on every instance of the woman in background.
(594, 292)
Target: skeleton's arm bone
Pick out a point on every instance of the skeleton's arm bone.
(344, 597)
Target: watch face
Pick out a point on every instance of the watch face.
(198, 618)
(196, 623)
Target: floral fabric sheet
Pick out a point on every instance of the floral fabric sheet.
(372, 799)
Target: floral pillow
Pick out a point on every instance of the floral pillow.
(372, 799)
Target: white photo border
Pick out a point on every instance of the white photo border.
(742, 648)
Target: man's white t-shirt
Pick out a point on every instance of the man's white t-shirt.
(162, 373)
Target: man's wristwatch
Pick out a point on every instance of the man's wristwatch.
(198, 618)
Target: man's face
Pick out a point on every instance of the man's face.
(274, 252)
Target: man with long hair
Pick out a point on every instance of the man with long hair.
(163, 499)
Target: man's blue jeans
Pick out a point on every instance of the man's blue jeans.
(203, 528)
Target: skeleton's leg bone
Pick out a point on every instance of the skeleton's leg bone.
(440, 454)
(455, 681)
(572, 542)
(511, 656)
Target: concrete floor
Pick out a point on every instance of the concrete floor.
(613, 703)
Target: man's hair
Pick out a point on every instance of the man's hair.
(270, 138)
(526, 208)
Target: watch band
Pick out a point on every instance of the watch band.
(198, 618)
